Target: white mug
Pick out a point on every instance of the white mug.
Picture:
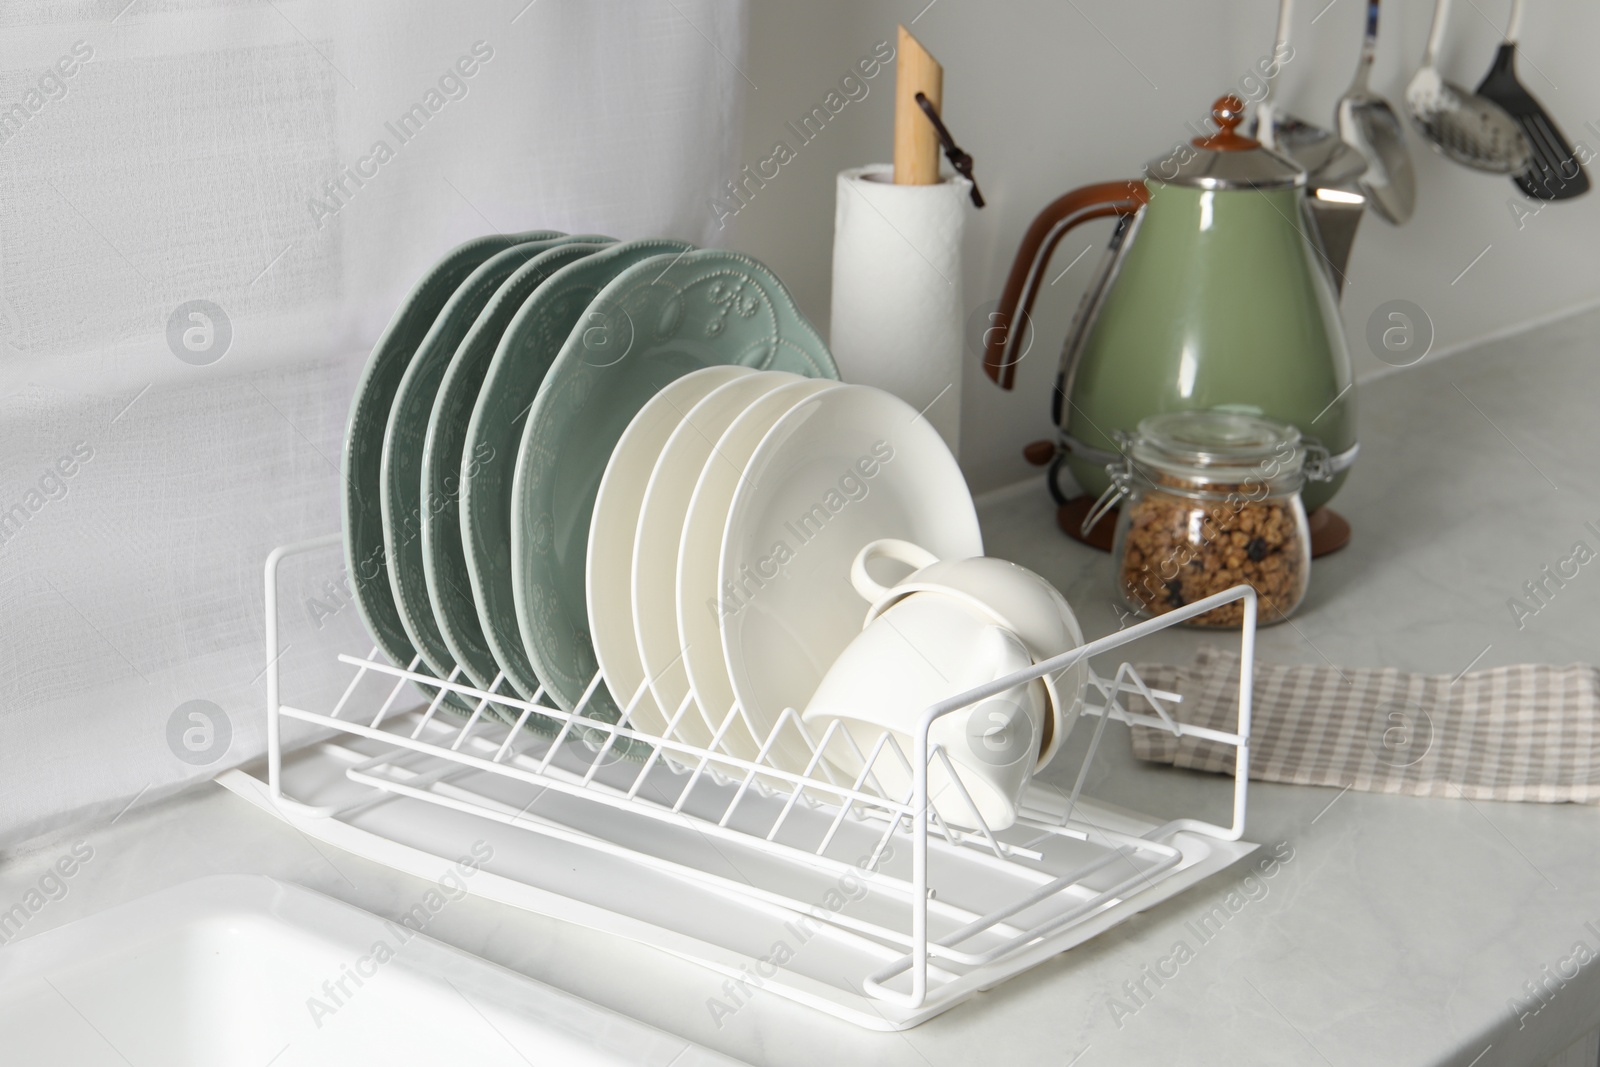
(1008, 595)
(917, 653)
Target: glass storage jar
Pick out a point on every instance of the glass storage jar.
(1210, 500)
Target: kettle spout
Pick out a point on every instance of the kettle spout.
(1335, 214)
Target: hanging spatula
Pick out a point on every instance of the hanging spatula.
(1553, 171)
(1369, 125)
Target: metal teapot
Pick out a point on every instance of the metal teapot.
(1219, 290)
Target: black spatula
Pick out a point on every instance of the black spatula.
(1553, 172)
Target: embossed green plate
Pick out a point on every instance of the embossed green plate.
(401, 468)
(527, 348)
(444, 460)
(654, 323)
(361, 509)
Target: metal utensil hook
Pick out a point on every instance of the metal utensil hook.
(959, 159)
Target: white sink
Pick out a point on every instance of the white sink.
(245, 971)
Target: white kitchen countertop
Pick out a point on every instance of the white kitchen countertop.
(1393, 930)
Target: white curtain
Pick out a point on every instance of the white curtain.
(208, 211)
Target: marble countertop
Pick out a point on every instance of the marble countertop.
(1390, 930)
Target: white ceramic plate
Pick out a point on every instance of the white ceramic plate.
(699, 612)
(609, 564)
(660, 530)
(843, 468)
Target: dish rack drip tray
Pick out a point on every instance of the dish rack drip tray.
(812, 886)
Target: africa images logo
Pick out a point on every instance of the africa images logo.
(452, 85)
(853, 486)
(851, 89)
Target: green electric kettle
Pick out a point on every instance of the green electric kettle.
(1220, 290)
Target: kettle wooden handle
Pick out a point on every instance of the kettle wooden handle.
(1000, 343)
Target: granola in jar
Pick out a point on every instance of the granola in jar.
(1211, 501)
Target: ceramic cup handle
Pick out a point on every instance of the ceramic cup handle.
(914, 556)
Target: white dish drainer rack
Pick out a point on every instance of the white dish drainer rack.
(931, 912)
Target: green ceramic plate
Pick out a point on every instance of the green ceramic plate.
(529, 344)
(361, 510)
(443, 561)
(656, 322)
(401, 469)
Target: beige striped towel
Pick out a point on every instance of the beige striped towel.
(1508, 733)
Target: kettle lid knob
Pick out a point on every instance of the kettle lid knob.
(1227, 112)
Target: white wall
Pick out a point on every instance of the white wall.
(1048, 95)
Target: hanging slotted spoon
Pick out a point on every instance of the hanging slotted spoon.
(1464, 126)
(1553, 171)
(1369, 125)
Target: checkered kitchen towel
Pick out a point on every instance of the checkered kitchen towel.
(1510, 733)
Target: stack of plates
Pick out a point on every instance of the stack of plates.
(723, 533)
(614, 477)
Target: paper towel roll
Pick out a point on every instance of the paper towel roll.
(897, 307)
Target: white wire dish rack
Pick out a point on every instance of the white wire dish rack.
(811, 885)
